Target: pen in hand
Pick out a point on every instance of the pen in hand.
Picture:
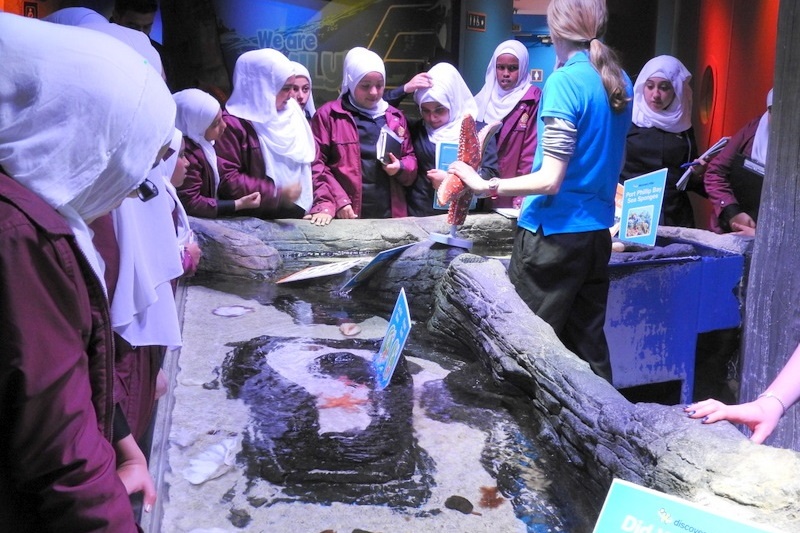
(690, 164)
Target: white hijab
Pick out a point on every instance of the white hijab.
(449, 90)
(196, 111)
(761, 140)
(87, 18)
(285, 136)
(182, 228)
(48, 114)
(301, 70)
(494, 103)
(677, 117)
(75, 16)
(143, 308)
(358, 63)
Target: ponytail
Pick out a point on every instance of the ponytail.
(584, 22)
(606, 62)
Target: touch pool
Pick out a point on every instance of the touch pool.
(272, 425)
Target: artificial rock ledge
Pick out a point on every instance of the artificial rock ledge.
(583, 418)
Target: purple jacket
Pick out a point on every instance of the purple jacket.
(516, 142)
(242, 168)
(135, 368)
(716, 181)
(336, 172)
(58, 469)
(197, 191)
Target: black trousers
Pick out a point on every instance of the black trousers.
(564, 280)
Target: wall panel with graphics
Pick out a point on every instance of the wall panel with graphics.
(409, 36)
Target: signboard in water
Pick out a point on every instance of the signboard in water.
(399, 327)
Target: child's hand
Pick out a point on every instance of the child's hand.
(290, 193)
(194, 251)
(346, 212)
(132, 470)
(420, 81)
(250, 201)
(436, 177)
(392, 168)
(319, 219)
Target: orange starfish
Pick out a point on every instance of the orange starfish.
(490, 497)
(346, 402)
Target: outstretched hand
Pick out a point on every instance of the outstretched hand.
(436, 177)
(468, 175)
(760, 416)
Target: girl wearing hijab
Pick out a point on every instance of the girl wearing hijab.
(199, 117)
(662, 136)
(267, 146)
(349, 180)
(76, 16)
(559, 264)
(143, 311)
(302, 90)
(87, 18)
(443, 107)
(507, 96)
(60, 471)
(730, 202)
(175, 168)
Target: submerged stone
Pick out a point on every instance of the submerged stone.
(459, 503)
(320, 430)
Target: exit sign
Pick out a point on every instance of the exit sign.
(476, 21)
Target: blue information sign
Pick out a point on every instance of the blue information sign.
(386, 359)
(636, 509)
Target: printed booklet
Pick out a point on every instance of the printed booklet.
(641, 207)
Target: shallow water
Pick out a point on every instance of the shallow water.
(276, 407)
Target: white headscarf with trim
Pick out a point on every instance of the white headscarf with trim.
(677, 117)
(285, 136)
(82, 118)
(495, 103)
(450, 90)
(761, 140)
(196, 111)
(358, 63)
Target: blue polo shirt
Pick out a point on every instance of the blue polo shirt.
(585, 201)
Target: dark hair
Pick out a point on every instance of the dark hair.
(137, 6)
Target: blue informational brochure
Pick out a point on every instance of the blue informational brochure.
(446, 153)
(641, 207)
(386, 359)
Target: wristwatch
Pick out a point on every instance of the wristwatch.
(494, 184)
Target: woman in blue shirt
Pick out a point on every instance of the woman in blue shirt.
(559, 264)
